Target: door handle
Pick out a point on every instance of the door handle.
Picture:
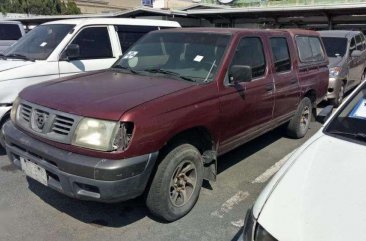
(293, 81)
(269, 87)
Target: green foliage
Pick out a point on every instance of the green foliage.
(39, 7)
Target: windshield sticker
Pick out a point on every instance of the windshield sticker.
(360, 110)
(198, 58)
(130, 55)
(43, 44)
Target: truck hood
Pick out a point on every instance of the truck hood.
(13, 69)
(321, 196)
(104, 94)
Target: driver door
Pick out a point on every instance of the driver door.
(96, 52)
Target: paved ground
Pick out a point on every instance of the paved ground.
(30, 211)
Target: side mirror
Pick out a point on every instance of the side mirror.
(356, 53)
(71, 52)
(324, 114)
(240, 73)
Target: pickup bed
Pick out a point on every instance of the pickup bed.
(159, 118)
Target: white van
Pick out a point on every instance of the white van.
(61, 48)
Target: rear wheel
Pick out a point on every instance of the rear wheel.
(339, 99)
(176, 185)
(299, 124)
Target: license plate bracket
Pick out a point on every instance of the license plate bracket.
(34, 171)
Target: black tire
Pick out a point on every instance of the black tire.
(336, 102)
(299, 124)
(161, 194)
(2, 138)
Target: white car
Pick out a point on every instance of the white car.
(319, 193)
(62, 48)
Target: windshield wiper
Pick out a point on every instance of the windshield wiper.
(19, 56)
(168, 72)
(359, 136)
(125, 68)
(2, 56)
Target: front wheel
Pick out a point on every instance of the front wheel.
(299, 124)
(176, 185)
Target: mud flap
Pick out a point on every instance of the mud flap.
(210, 165)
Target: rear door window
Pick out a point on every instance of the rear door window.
(250, 52)
(310, 49)
(10, 32)
(128, 35)
(94, 43)
(281, 54)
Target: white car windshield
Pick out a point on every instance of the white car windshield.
(350, 123)
(39, 43)
(190, 56)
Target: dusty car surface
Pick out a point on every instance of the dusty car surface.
(346, 51)
(305, 193)
(10, 32)
(157, 121)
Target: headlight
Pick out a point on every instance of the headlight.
(14, 109)
(253, 231)
(98, 134)
(334, 72)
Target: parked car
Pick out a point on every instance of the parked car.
(63, 48)
(316, 195)
(159, 118)
(346, 51)
(10, 32)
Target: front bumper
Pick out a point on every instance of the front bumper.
(333, 88)
(80, 176)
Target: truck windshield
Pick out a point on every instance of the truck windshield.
(39, 43)
(350, 123)
(335, 46)
(9, 31)
(186, 55)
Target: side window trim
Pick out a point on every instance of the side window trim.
(308, 39)
(77, 34)
(289, 55)
(264, 75)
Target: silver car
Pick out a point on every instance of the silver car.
(10, 32)
(347, 55)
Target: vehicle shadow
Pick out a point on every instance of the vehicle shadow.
(242, 152)
(113, 215)
(2, 151)
(125, 213)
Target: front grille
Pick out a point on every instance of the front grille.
(48, 123)
(62, 125)
(25, 112)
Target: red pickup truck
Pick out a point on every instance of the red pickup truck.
(156, 122)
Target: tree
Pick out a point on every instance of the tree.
(39, 7)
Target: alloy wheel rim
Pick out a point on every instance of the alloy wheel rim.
(183, 183)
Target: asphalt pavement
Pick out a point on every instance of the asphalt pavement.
(31, 211)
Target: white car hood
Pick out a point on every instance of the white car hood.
(321, 196)
(12, 64)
